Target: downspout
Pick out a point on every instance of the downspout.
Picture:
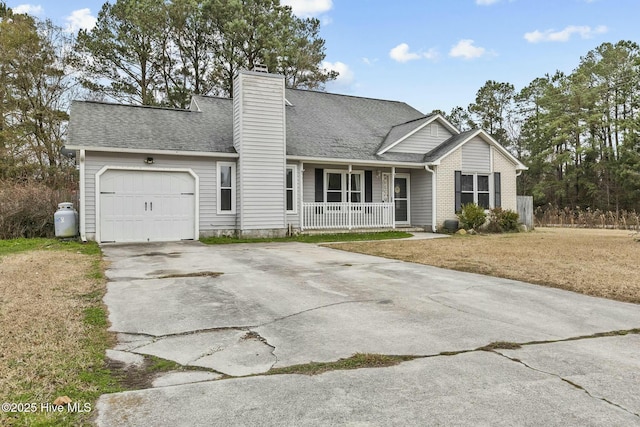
(83, 213)
(434, 199)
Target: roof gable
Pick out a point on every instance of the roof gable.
(402, 132)
(452, 144)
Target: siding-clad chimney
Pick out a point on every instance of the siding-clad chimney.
(259, 138)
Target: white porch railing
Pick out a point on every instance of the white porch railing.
(346, 215)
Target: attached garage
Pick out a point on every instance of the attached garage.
(146, 205)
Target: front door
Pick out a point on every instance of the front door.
(400, 191)
(401, 197)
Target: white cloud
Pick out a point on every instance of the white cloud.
(466, 50)
(584, 31)
(486, 2)
(29, 9)
(80, 19)
(306, 8)
(345, 77)
(401, 53)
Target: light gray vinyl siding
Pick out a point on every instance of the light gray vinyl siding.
(204, 167)
(424, 140)
(261, 142)
(421, 197)
(476, 156)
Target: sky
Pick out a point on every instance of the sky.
(433, 54)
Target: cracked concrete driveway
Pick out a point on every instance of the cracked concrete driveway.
(244, 309)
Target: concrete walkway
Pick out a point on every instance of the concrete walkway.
(244, 309)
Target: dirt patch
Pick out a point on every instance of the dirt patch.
(162, 254)
(131, 377)
(196, 274)
(602, 263)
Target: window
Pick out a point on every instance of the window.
(334, 187)
(474, 188)
(226, 187)
(290, 184)
(356, 188)
(337, 190)
(483, 191)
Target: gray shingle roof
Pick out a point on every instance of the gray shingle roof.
(97, 124)
(319, 124)
(327, 125)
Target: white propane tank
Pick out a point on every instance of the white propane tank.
(66, 220)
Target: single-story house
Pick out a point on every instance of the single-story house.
(272, 160)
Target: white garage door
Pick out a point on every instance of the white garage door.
(146, 206)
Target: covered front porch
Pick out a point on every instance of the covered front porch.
(356, 197)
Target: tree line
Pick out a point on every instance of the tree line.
(149, 52)
(579, 133)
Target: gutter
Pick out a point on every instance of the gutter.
(154, 151)
(356, 162)
(434, 198)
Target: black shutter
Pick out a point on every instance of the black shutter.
(368, 186)
(319, 185)
(458, 191)
(497, 191)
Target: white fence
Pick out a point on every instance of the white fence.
(346, 215)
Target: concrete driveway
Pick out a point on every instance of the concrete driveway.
(240, 310)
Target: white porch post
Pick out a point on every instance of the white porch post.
(349, 195)
(393, 195)
(301, 194)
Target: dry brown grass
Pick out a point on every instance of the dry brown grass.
(43, 297)
(603, 263)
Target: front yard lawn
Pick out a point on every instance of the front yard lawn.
(602, 263)
(53, 330)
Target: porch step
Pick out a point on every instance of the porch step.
(362, 230)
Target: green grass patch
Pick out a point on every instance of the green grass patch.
(96, 316)
(157, 364)
(315, 238)
(13, 246)
(357, 361)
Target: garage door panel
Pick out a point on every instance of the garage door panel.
(141, 206)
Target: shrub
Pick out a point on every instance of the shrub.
(27, 209)
(472, 216)
(501, 221)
